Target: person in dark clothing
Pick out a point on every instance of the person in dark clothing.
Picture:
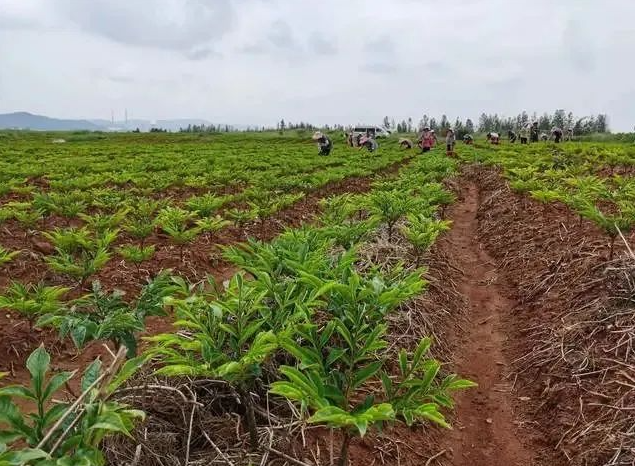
(368, 143)
(512, 136)
(534, 132)
(324, 143)
(468, 139)
(556, 133)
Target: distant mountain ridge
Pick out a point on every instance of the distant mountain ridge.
(30, 121)
(25, 120)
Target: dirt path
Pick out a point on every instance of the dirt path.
(484, 430)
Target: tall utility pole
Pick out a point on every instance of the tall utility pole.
(112, 117)
(126, 118)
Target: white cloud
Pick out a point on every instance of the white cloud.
(256, 61)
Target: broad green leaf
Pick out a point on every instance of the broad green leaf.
(56, 382)
(91, 374)
(54, 413)
(431, 412)
(19, 391)
(366, 373)
(422, 349)
(38, 365)
(461, 384)
(129, 368)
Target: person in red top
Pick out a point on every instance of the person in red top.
(426, 140)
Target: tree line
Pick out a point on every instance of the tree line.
(495, 123)
(486, 123)
(202, 128)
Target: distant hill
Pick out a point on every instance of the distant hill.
(25, 120)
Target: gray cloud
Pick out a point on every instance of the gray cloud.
(379, 68)
(381, 56)
(169, 24)
(282, 59)
(281, 36)
(121, 79)
(202, 53)
(579, 47)
(383, 47)
(319, 45)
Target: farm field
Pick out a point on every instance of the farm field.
(254, 303)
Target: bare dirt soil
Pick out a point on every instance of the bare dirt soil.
(485, 432)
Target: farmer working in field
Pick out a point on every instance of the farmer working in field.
(556, 134)
(405, 143)
(324, 143)
(368, 143)
(349, 139)
(468, 139)
(569, 135)
(534, 132)
(524, 134)
(426, 140)
(512, 136)
(450, 140)
(493, 138)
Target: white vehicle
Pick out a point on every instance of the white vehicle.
(378, 131)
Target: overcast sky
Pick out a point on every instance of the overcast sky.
(345, 61)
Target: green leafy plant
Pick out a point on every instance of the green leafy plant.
(390, 206)
(79, 253)
(7, 256)
(210, 225)
(422, 231)
(32, 300)
(612, 224)
(175, 223)
(335, 365)
(226, 341)
(29, 219)
(102, 223)
(136, 254)
(106, 316)
(64, 433)
(206, 205)
(240, 217)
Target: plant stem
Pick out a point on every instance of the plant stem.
(344, 451)
(250, 418)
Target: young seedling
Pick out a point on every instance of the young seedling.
(422, 231)
(64, 433)
(390, 206)
(136, 254)
(7, 256)
(210, 225)
(106, 316)
(206, 205)
(229, 330)
(175, 222)
(33, 300)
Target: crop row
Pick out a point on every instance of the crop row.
(78, 228)
(304, 320)
(569, 174)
